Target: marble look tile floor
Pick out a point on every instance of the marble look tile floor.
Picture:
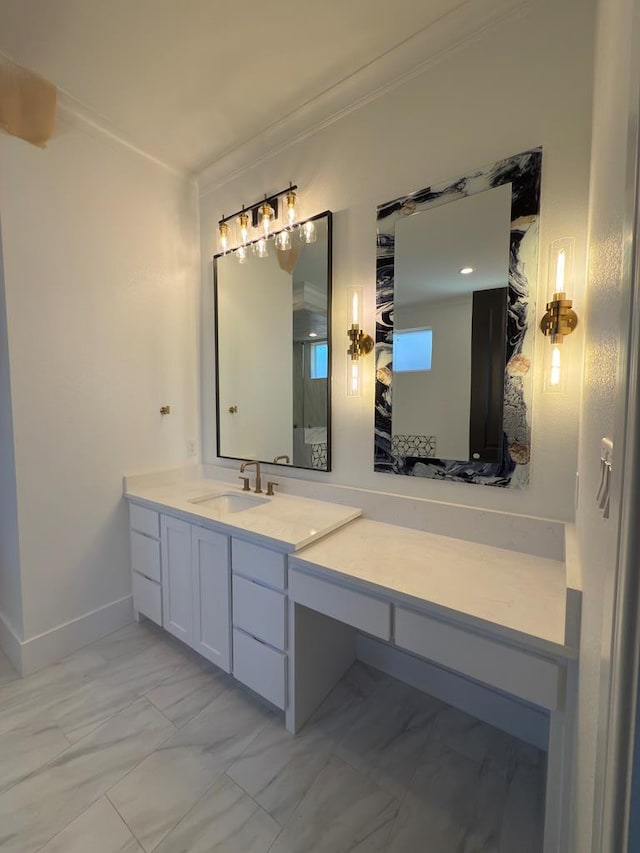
(136, 744)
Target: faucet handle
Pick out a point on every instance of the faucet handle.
(245, 484)
(270, 486)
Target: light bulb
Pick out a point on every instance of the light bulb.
(243, 221)
(354, 308)
(466, 270)
(283, 241)
(555, 371)
(261, 248)
(308, 232)
(266, 215)
(560, 270)
(292, 201)
(241, 254)
(223, 234)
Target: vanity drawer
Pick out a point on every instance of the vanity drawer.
(260, 667)
(368, 614)
(147, 597)
(259, 563)
(145, 556)
(259, 611)
(144, 520)
(529, 676)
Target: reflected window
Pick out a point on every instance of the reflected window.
(412, 350)
(319, 361)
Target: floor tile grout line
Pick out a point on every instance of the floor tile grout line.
(56, 834)
(122, 818)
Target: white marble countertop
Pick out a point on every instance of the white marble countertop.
(283, 522)
(516, 596)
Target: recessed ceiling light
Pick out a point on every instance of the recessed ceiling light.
(466, 270)
(313, 334)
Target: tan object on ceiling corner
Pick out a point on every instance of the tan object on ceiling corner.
(27, 104)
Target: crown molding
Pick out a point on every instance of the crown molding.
(79, 115)
(463, 25)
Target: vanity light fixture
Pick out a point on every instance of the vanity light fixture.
(308, 232)
(360, 342)
(267, 213)
(313, 334)
(261, 248)
(560, 319)
(263, 215)
(243, 223)
(292, 210)
(283, 240)
(223, 236)
(466, 270)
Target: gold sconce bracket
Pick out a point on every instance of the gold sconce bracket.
(560, 319)
(361, 343)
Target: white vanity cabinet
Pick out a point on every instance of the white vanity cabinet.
(182, 581)
(145, 562)
(211, 595)
(196, 588)
(260, 620)
(177, 597)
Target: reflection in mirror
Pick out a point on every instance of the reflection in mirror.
(449, 261)
(273, 352)
(455, 267)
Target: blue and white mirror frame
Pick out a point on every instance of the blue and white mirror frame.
(523, 172)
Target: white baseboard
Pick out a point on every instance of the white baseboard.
(52, 646)
(10, 643)
(523, 721)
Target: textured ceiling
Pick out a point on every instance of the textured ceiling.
(188, 80)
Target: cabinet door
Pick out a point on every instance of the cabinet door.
(177, 607)
(211, 572)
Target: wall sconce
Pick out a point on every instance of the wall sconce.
(263, 215)
(360, 343)
(560, 319)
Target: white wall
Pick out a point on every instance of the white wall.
(523, 82)
(100, 262)
(612, 186)
(10, 585)
(438, 402)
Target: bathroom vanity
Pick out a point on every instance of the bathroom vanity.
(282, 592)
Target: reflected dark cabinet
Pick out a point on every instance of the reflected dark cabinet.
(488, 355)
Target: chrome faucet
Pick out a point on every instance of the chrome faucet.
(244, 467)
(284, 457)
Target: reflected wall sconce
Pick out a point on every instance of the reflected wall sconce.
(560, 319)
(261, 217)
(360, 343)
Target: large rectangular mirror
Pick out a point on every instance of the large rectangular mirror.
(456, 265)
(273, 352)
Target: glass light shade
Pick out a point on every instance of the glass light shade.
(266, 215)
(308, 232)
(241, 254)
(261, 248)
(243, 222)
(354, 304)
(560, 273)
(283, 241)
(292, 202)
(223, 236)
(555, 368)
(354, 378)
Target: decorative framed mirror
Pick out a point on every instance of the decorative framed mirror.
(273, 350)
(456, 278)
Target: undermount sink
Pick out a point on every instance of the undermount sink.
(230, 501)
